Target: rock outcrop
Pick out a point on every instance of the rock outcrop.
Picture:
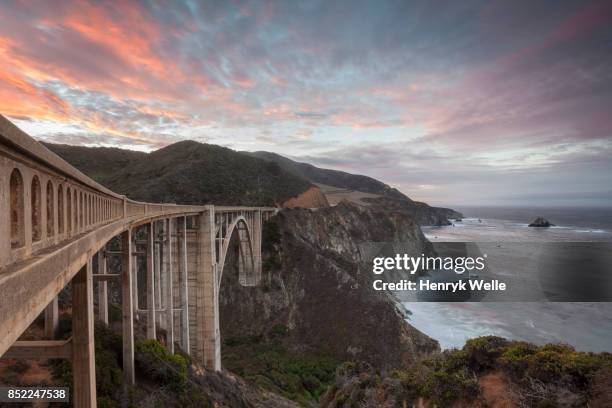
(311, 198)
(422, 213)
(317, 282)
(541, 222)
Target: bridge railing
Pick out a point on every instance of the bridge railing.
(45, 201)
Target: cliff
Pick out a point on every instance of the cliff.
(317, 286)
(422, 213)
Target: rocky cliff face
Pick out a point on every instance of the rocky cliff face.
(317, 284)
(422, 213)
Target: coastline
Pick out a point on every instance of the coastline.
(585, 325)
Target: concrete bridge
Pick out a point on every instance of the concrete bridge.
(55, 227)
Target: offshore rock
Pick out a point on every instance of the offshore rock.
(541, 222)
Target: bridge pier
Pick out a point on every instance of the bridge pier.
(134, 278)
(209, 346)
(169, 295)
(83, 360)
(151, 329)
(127, 308)
(102, 288)
(185, 344)
(157, 250)
(51, 319)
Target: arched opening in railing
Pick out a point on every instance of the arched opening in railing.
(60, 209)
(81, 211)
(75, 209)
(17, 218)
(35, 194)
(50, 212)
(68, 210)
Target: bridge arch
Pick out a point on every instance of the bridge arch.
(239, 229)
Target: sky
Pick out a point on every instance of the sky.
(503, 103)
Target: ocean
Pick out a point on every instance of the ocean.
(585, 325)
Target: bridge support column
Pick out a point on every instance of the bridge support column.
(134, 279)
(158, 281)
(256, 240)
(127, 308)
(184, 290)
(51, 319)
(151, 329)
(102, 288)
(209, 345)
(169, 287)
(83, 360)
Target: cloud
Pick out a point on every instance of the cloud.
(416, 93)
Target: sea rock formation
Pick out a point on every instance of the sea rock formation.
(541, 222)
(317, 282)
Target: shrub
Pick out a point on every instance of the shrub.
(443, 387)
(297, 376)
(279, 330)
(516, 358)
(106, 402)
(160, 365)
(545, 365)
(20, 366)
(271, 234)
(482, 352)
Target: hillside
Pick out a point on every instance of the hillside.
(334, 178)
(362, 190)
(99, 163)
(187, 172)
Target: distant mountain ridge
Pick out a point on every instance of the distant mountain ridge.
(335, 178)
(388, 197)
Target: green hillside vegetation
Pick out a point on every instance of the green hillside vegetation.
(188, 173)
(99, 163)
(267, 363)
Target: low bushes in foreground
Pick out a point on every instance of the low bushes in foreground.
(552, 375)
